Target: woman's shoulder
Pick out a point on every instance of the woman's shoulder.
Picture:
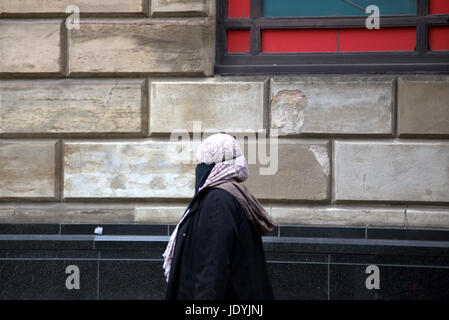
(218, 194)
(222, 198)
(220, 203)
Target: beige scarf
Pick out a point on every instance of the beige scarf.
(259, 218)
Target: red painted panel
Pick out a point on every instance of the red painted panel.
(438, 6)
(386, 39)
(299, 40)
(439, 38)
(239, 8)
(238, 40)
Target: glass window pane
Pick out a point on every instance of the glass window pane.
(382, 40)
(238, 41)
(438, 6)
(239, 9)
(439, 38)
(320, 8)
(299, 40)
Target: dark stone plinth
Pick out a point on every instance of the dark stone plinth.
(304, 262)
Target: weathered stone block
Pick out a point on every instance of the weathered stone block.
(30, 46)
(85, 6)
(338, 215)
(159, 214)
(392, 171)
(143, 169)
(74, 213)
(323, 105)
(423, 106)
(27, 168)
(151, 46)
(71, 106)
(180, 7)
(221, 104)
(303, 168)
(427, 217)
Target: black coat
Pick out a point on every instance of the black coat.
(218, 254)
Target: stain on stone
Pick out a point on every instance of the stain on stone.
(118, 182)
(364, 181)
(157, 183)
(69, 150)
(287, 111)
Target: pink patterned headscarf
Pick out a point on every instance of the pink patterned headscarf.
(230, 163)
(224, 151)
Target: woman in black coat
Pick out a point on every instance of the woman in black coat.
(216, 249)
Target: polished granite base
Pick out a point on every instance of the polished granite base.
(125, 262)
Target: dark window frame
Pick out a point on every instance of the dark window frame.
(256, 62)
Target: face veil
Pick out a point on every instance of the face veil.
(202, 171)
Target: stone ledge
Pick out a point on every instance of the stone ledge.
(422, 217)
(339, 216)
(170, 213)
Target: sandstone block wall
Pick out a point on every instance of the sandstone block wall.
(86, 116)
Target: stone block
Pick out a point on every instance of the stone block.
(27, 169)
(85, 6)
(423, 106)
(71, 106)
(30, 46)
(392, 171)
(160, 8)
(149, 46)
(131, 169)
(326, 105)
(221, 104)
(303, 169)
